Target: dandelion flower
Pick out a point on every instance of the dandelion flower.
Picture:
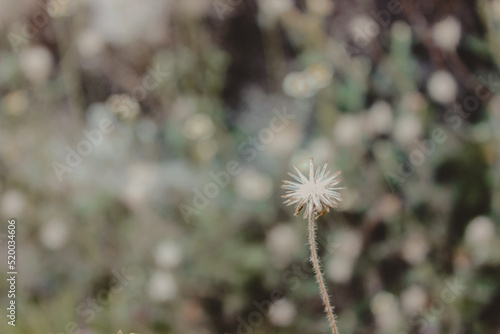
(319, 193)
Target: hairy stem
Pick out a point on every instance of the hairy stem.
(319, 274)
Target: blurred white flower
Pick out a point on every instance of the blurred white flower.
(282, 313)
(36, 63)
(495, 9)
(401, 31)
(446, 33)
(379, 118)
(415, 248)
(198, 127)
(413, 299)
(141, 179)
(442, 87)
(89, 43)
(350, 243)
(363, 29)
(297, 84)
(121, 22)
(16, 102)
(340, 266)
(282, 241)
(407, 129)
(308, 82)
(273, 8)
(253, 185)
(348, 130)
(339, 269)
(480, 237)
(385, 308)
(319, 75)
(53, 234)
(320, 7)
(13, 203)
(168, 255)
(162, 287)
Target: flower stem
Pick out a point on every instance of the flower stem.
(319, 274)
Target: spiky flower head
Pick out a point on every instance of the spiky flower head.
(318, 193)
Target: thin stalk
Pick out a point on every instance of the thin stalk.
(319, 274)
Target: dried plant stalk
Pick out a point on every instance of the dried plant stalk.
(319, 274)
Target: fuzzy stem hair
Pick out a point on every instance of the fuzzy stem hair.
(319, 274)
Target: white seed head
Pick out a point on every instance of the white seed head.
(318, 193)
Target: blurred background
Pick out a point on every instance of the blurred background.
(143, 145)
